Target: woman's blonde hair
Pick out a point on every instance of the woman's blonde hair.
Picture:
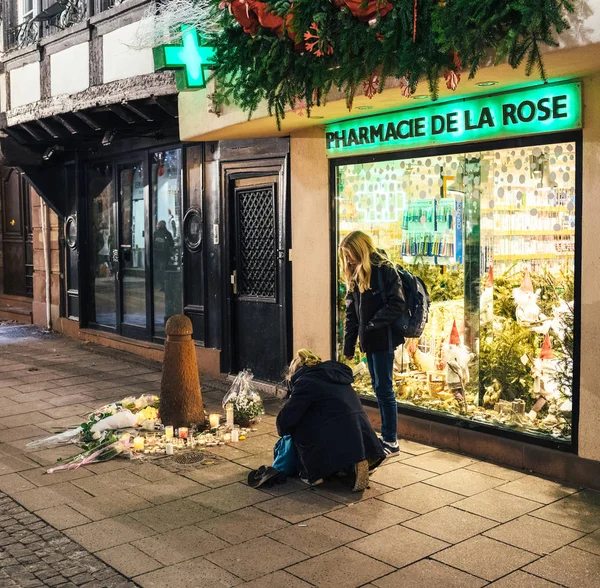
(304, 357)
(362, 249)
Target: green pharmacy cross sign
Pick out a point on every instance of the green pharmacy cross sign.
(189, 60)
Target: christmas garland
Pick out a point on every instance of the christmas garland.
(293, 54)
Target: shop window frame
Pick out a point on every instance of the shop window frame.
(575, 137)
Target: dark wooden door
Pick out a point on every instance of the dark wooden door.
(17, 238)
(258, 313)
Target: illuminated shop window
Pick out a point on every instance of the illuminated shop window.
(492, 235)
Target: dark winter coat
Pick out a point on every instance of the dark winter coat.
(163, 244)
(327, 422)
(369, 319)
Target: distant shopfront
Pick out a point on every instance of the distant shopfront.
(480, 198)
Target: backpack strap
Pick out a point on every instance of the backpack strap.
(385, 300)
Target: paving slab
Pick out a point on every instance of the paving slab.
(575, 512)
(399, 475)
(229, 498)
(371, 515)
(340, 568)
(465, 482)
(420, 498)
(108, 533)
(498, 506)
(279, 579)
(172, 515)
(538, 489)
(450, 524)
(439, 462)
(298, 506)
(589, 543)
(398, 546)
(316, 536)
(180, 545)
(180, 574)
(522, 580)
(533, 534)
(485, 558)
(429, 574)
(256, 558)
(62, 517)
(569, 567)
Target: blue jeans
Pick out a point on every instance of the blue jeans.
(381, 365)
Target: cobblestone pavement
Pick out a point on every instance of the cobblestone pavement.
(32, 553)
(430, 518)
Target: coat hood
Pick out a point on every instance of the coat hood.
(329, 371)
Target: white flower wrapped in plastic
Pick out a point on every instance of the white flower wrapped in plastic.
(247, 403)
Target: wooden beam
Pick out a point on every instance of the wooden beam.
(31, 132)
(122, 113)
(89, 121)
(53, 132)
(167, 105)
(65, 123)
(138, 111)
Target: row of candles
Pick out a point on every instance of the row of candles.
(183, 433)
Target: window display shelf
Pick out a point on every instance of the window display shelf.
(526, 233)
(518, 256)
(523, 209)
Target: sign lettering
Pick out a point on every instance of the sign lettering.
(543, 109)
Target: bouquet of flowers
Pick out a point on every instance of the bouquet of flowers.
(247, 403)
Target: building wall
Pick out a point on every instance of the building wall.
(2, 92)
(589, 419)
(311, 271)
(25, 86)
(39, 268)
(120, 60)
(70, 70)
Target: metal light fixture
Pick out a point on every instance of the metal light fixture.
(486, 84)
(51, 151)
(108, 137)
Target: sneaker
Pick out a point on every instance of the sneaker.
(264, 475)
(361, 476)
(390, 448)
(315, 483)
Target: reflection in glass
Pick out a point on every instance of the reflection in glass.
(492, 235)
(166, 237)
(101, 193)
(133, 261)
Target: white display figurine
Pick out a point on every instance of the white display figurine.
(528, 311)
(556, 323)
(486, 303)
(544, 371)
(457, 358)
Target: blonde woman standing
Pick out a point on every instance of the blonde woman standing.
(374, 301)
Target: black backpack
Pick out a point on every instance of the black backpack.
(412, 322)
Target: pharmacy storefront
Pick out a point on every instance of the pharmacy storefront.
(480, 198)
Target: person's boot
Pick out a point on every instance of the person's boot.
(361, 476)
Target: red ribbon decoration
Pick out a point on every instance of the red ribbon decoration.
(415, 22)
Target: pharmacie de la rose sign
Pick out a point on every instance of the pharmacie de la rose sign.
(480, 198)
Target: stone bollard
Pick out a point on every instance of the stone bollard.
(180, 395)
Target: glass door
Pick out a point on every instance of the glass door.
(104, 254)
(132, 249)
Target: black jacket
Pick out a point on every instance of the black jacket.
(369, 319)
(327, 422)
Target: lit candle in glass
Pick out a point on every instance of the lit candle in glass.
(183, 432)
(235, 435)
(169, 432)
(138, 443)
(169, 448)
(227, 437)
(214, 420)
(229, 415)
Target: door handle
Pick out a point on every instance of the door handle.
(234, 281)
